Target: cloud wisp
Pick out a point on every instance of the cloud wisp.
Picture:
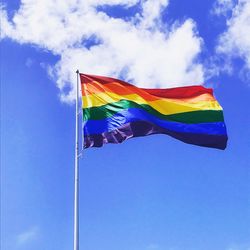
(239, 247)
(27, 236)
(223, 7)
(138, 48)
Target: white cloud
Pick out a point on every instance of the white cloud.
(235, 41)
(151, 10)
(141, 49)
(27, 236)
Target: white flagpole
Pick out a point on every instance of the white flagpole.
(76, 195)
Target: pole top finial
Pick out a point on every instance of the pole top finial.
(77, 71)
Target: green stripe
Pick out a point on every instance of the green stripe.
(108, 110)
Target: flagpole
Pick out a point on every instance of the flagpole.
(76, 194)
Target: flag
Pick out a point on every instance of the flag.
(114, 111)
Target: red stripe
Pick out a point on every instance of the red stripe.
(179, 92)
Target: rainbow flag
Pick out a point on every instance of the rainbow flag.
(114, 111)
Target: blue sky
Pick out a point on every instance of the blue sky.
(150, 193)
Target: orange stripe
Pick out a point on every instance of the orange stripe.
(115, 87)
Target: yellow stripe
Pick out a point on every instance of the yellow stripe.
(164, 106)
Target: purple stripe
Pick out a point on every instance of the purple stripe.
(142, 128)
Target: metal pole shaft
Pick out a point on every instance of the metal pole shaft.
(76, 195)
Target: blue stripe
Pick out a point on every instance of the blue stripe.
(133, 114)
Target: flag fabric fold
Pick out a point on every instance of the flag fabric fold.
(114, 111)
